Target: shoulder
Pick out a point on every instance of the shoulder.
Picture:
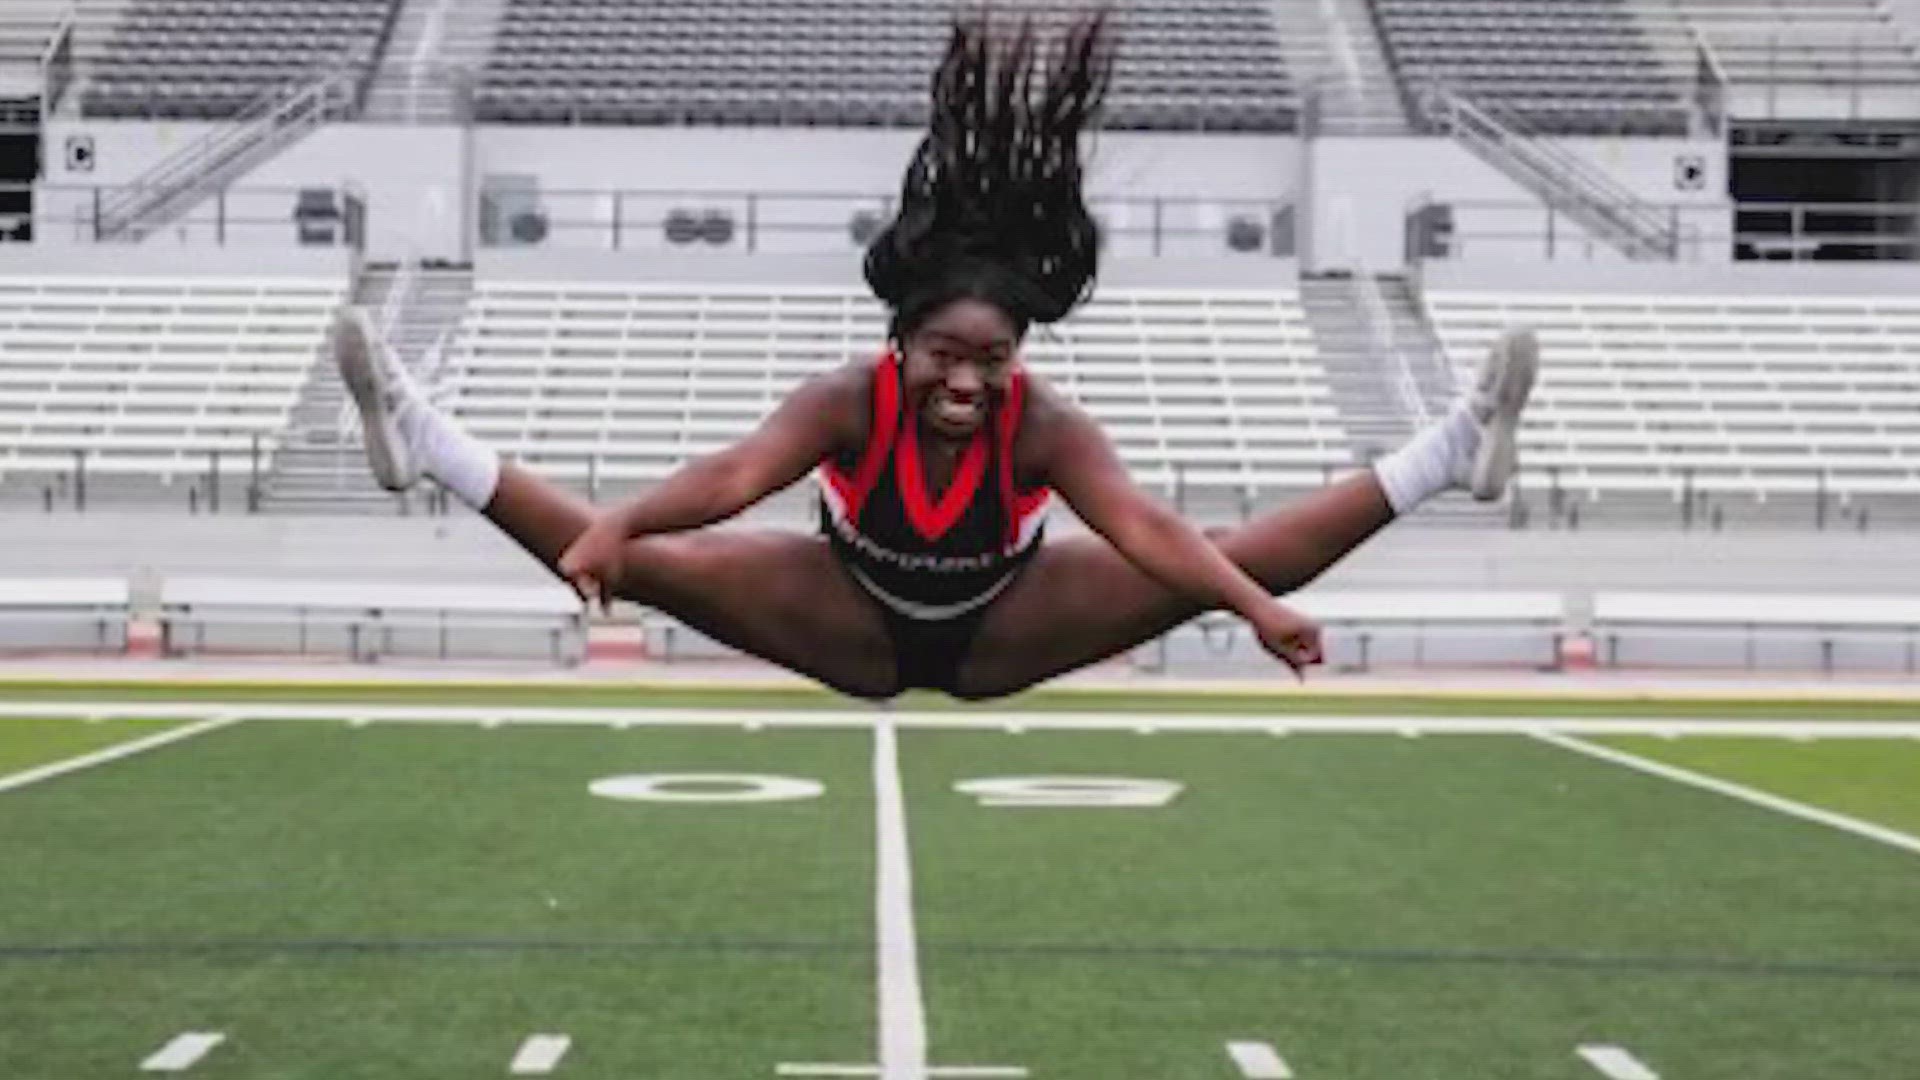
(1045, 415)
(842, 399)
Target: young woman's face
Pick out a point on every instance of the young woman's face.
(954, 362)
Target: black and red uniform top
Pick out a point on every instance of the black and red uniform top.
(923, 559)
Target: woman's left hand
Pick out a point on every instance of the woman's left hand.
(1292, 638)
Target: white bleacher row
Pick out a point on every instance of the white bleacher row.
(1216, 65)
(149, 376)
(1222, 388)
(1749, 395)
(1765, 41)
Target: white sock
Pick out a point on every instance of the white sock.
(1438, 457)
(463, 464)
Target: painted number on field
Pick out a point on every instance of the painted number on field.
(1059, 792)
(706, 788)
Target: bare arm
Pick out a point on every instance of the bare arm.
(1081, 464)
(817, 418)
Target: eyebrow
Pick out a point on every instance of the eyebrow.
(999, 345)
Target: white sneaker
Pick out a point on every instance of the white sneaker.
(1496, 399)
(380, 391)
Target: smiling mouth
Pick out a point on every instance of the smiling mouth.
(954, 413)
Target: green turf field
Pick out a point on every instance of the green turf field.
(401, 900)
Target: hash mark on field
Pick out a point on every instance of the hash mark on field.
(1615, 1063)
(183, 1052)
(539, 1055)
(1259, 1061)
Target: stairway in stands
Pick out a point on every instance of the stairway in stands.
(1363, 376)
(1336, 46)
(434, 44)
(321, 467)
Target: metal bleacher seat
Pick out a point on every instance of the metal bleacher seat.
(146, 377)
(624, 383)
(209, 59)
(1568, 67)
(1750, 395)
(1212, 66)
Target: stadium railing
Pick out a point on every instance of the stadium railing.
(1365, 629)
(369, 621)
(1751, 631)
(64, 613)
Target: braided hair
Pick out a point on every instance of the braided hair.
(991, 206)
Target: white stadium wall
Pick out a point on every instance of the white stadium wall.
(1364, 187)
(860, 161)
(414, 178)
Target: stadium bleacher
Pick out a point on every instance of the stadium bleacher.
(209, 59)
(1832, 42)
(1187, 66)
(1753, 395)
(624, 382)
(146, 377)
(1566, 67)
(46, 612)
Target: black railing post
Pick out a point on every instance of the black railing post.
(80, 480)
(253, 475)
(213, 481)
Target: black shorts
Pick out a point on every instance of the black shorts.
(927, 654)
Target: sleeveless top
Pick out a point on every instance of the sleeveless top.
(921, 559)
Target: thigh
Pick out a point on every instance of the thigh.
(1078, 602)
(781, 596)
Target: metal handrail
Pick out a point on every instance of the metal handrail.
(1638, 230)
(277, 110)
(56, 61)
(1711, 86)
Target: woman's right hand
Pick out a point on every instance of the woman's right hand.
(595, 561)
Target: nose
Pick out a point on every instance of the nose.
(965, 380)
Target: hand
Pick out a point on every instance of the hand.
(1291, 637)
(594, 562)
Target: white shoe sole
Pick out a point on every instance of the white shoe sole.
(355, 351)
(1506, 380)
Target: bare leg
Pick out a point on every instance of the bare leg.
(1080, 601)
(780, 596)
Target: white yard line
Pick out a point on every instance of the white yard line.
(934, 1071)
(1001, 722)
(1804, 811)
(1616, 1064)
(1258, 1061)
(903, 1021)
(539, 1055)
(183, 1052)
(113, 753)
